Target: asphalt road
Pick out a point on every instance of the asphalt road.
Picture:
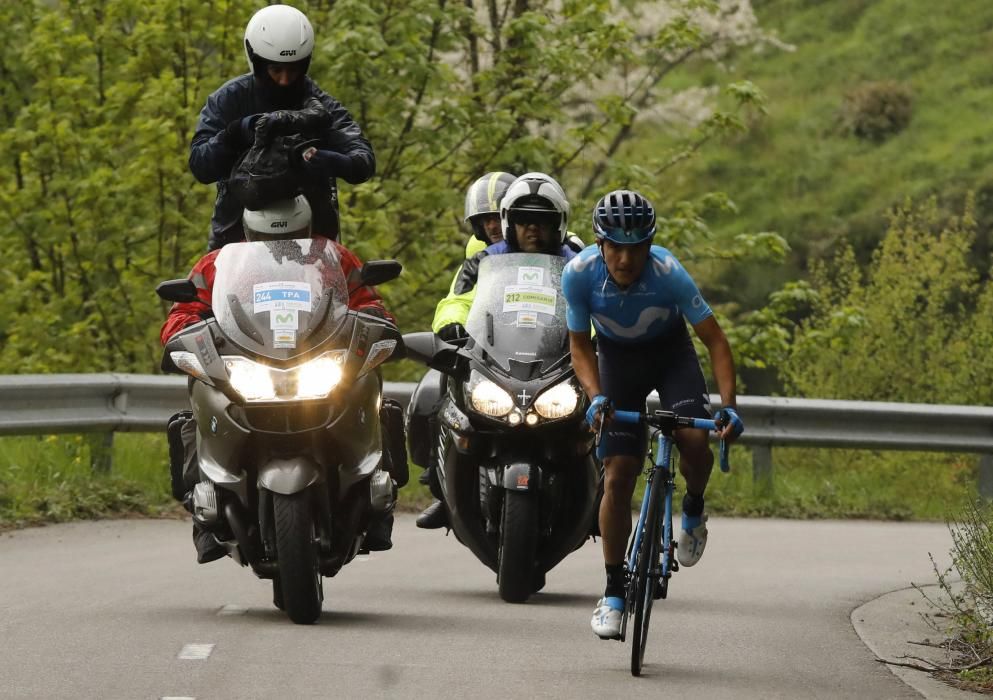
(106, 610)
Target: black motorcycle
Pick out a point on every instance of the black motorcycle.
(286, 391)
(513, 457)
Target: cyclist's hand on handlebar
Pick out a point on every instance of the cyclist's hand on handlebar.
(732, 425)
(599, 409)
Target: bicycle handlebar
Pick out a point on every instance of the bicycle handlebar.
(667, 419)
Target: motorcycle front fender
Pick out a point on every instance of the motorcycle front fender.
(288, 476)
(521, 476)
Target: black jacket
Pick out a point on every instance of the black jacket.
(211, 157)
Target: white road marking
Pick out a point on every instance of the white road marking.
(195, 652)
(177, 697)
(232, 610)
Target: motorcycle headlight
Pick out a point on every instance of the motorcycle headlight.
(311, 380)
(558, 402)
(318, 377)
(491, 400)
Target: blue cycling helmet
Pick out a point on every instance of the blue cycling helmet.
(625, 217)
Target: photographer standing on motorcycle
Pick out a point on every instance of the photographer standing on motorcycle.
(636, 296)
(534, 216)
(292, 219)
(279, 42)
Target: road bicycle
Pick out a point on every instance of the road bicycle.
(651, 555)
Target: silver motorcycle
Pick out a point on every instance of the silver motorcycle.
(286, 391)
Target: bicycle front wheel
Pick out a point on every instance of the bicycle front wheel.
(645, 582)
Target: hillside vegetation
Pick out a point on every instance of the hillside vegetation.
(836, 149)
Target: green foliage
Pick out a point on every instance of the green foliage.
(97, 114)
(798, 173)
(50, 479)
(906, 329)
(874, 111)
(822, 483)
(966, 607)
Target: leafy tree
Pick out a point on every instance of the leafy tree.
(910, 328)
(98, 112)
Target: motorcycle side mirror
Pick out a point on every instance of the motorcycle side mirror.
(377, 272)
(177, 290)
(430, 350)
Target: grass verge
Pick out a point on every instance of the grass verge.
(50, 479)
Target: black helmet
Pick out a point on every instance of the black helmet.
(625, 217)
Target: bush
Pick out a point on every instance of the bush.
(969, 607)
(875, 111)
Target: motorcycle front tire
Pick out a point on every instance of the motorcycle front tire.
(297, 557)
(518, 545)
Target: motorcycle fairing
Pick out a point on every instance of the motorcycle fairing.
(518, 312)
(279, 299)
(221, 440)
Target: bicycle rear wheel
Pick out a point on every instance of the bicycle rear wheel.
(645, 580)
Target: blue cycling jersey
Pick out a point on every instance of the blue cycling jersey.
(647, 309)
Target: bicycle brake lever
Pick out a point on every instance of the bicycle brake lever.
(725, 465)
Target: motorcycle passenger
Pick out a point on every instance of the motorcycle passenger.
(636, 295)
(534, 215)
(482, 210)
(482, 213)
(279, 42)
(292, 218)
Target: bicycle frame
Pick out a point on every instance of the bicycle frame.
(662, 470)
(648, 566)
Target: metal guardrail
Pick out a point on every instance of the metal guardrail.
(107, 403)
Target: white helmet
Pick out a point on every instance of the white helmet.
(282, 220)
(534, 192)
(278, 34)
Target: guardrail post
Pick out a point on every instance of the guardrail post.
(762, 469)
(101, 452)
(986, 477)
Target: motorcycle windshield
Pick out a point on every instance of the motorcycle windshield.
(518, 313)
(279, 299)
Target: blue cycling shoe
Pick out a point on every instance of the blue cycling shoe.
(607, 616)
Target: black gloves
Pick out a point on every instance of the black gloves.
(452, 332)
(240, 133)
(297, 121)
(320, 162)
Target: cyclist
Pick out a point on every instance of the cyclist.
(279, 43)
(636, 295)
(534, 215)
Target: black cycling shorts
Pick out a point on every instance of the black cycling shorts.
(629, 373)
